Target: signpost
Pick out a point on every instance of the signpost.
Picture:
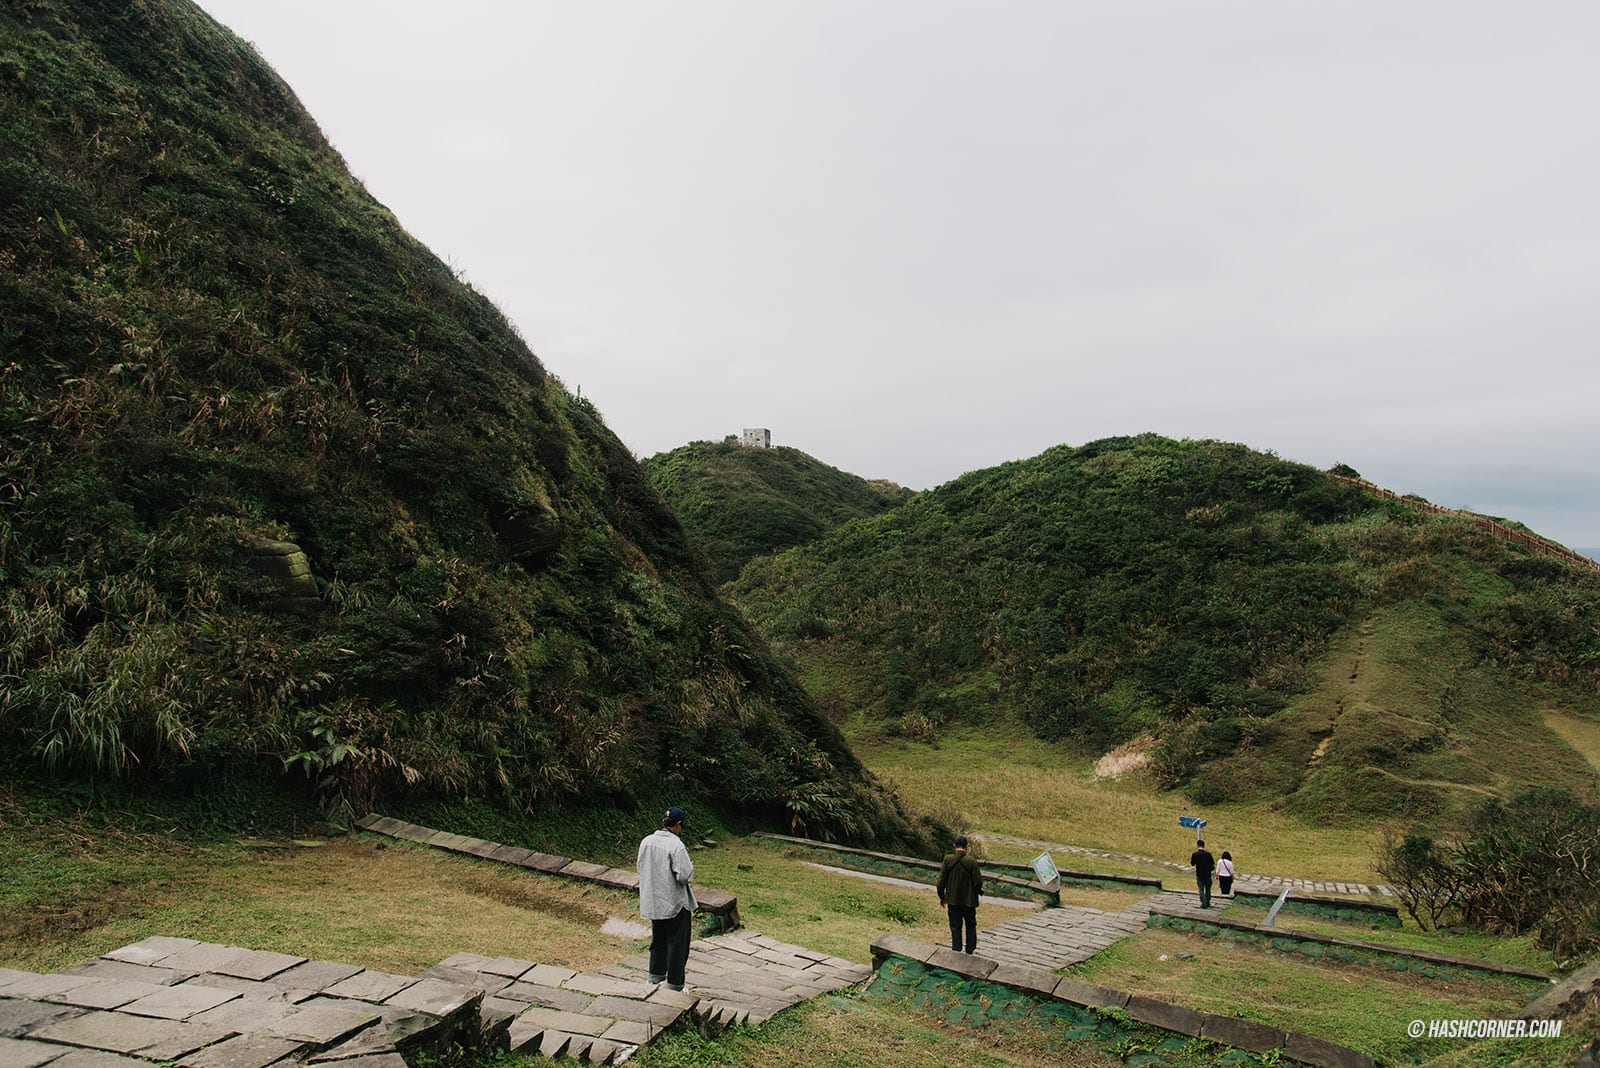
(1045, 869)
(1192, 821)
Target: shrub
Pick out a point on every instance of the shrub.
(1422, 875)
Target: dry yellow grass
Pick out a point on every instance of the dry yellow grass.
(1001, 779)
(398, 909)
(1582, 734)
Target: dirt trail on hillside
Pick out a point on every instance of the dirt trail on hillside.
(1441, 783)
(1357, 659)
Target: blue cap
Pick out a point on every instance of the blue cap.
(674, 815)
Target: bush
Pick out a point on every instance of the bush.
(1422, 875)
(1532, 863)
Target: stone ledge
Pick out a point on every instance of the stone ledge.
(1165, 1015)
(1289, 934)
(718, 903)
(1567, 996)
(1223, 1030)
(1019, 886)
(1323, 1054)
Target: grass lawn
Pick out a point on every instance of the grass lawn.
(1000, 778)
(853, 1032)
(399, 908)
(1359, 1006)
(1519, 951)
(794, 901)
(76, 887)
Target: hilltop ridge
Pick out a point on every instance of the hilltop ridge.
(1280, 634)
(737, 503)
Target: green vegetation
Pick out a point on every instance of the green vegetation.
(1000, 779)
(1277, 633)
(870, 1032)
(1528, 864)
(1452, 941)
(1358, 1006)
(213, 342)
(738, 503)
(86, 875)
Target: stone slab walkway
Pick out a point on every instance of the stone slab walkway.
(1055, 938)
(1071, 934)
(203, 1005)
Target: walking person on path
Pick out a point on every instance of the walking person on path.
(960, 885)
(1204, 864)
(1225, 874)
(665, 899)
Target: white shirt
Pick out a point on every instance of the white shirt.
(665, 872)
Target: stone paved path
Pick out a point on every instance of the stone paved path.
(1055, 938)
(204, 1005)
(1254, 884)
(1070, 934)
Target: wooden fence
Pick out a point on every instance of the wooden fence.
(1532, 541)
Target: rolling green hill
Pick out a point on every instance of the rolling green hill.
(1273, 633)
(277, 491)
(738, 503)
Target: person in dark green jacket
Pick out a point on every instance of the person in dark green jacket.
(960, 885)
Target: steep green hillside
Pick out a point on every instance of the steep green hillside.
(218, 352)
(1278, 633)
(738, 503)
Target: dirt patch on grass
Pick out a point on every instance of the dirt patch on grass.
(529, 897)
(1583, 735)
(1131, 755)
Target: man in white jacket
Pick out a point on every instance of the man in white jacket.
(665, 899)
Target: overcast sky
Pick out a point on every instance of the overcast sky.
(916, 239)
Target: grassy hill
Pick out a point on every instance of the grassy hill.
(738, 503)
(277, 491)
(1271, 633)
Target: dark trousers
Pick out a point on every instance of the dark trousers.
(967, 916)
(1204, 883)
(669, 947)
(1225, 884)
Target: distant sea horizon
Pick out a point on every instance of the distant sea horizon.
(1593, 554)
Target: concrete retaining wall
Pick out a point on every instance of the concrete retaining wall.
(1307, 944)
(1373, 913)
(721, 907)
(996, 881)
(973, 990)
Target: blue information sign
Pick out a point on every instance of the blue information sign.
(1191, 821)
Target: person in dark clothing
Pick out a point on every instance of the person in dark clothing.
(960, 885)
(1204, 864)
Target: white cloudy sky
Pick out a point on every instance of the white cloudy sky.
(918, 238)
